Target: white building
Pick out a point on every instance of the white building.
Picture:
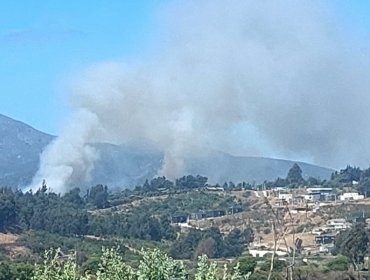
(319, 194)
(338, 224)
(258, 253)
(350, 196)
(312, 196)
(286, 196)
(320, 190)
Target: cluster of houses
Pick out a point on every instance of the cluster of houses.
(305, 200)
(325, 235)
(314, 195)
(324, 238)
(206, 214)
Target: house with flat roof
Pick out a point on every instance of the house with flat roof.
(325, 239)
(351, 196)
(338, 224)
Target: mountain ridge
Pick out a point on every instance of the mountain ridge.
(123, 166)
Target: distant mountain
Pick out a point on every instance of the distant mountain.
(122, 166)
(20, 147)
(225, 167)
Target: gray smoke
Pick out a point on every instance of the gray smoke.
(273, 78)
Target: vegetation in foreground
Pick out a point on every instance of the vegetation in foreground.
(141, 218)
(156, 265)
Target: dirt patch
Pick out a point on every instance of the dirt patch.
(8, 243)
(7, 238)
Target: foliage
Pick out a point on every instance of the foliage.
(295, 175)
(15, 271)
(210, 242)
(353, 243)
(98, 196)
(347, 175)
(41, 211)
(205, 269)
(69, 215)
(111, 266)
(54, 268)
(340, 263)
(191, 182)
(247, 264)
(154, 265)
(279, 265)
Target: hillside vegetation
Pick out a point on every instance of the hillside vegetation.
(147, 216)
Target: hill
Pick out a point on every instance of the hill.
(20, 147)
(122, 166)
(225, 167)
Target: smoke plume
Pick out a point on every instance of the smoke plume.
(272, 78)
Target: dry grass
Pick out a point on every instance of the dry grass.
(8, 242)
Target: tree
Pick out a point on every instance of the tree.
(353, 243)
(295, 175)
(312, 181)
(156, 265)
(347, 175)
(8, 214)
(191, 182)
(280, 183)
(205, 269)
(247, 265)
(184, 247)
(340, 263)
(206, 247)
(54, 269)
(73, 196)
(111, 266)
(98, 196)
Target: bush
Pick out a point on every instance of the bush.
(154, 265)
(340, 263)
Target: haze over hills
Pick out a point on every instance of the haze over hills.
(122, 166)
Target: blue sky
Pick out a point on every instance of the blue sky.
(43, 42)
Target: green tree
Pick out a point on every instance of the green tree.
(111, 266)
(247, 265)
(295, 175)
(156, 265)
(340, 263)
(98, 196)
(5, 272)
(353, 243)
(206, 270)
(54, 269)
(8, 213)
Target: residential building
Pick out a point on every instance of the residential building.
(258, 253)
(338, 224)
(286, 196)
(325, 239)
(351, 196)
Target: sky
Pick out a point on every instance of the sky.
(43, 44)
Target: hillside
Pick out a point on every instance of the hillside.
(225, 167)
(122, 166)
(20, 147)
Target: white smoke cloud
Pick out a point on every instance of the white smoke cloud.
(281, 71)
(69, 159)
